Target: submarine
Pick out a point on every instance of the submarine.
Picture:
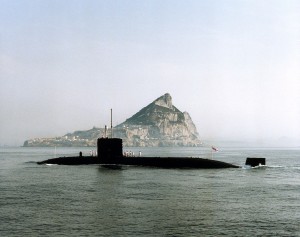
(110, 153)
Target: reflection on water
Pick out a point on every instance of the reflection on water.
(93, 200)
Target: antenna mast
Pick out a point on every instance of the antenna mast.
(111, 127)
(105, 131)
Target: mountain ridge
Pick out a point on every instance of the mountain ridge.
(159, 123)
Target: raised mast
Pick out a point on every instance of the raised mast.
(111, 127)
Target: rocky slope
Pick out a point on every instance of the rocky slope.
(158, 124)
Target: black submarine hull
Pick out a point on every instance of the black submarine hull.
(110, 152)
(161, 162)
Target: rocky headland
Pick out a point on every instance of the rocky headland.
(158, 124)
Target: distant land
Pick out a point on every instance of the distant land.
(158, 124)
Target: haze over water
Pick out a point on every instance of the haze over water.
(233, 65)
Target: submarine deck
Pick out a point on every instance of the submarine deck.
(162, 162)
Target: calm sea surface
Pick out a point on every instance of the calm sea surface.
(43, 200)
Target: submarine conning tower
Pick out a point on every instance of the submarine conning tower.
(109, 148)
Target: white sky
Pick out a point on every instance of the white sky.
(234, 65)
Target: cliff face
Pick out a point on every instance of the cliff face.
(158, 124)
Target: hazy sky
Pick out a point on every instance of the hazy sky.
(234, 65)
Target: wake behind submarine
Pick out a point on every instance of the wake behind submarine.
(110, 152)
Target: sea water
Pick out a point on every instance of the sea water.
(90, 200)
